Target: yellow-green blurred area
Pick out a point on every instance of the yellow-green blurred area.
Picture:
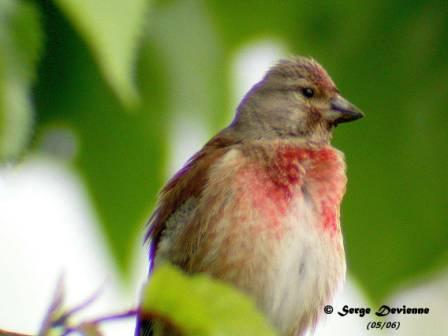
(122, 74)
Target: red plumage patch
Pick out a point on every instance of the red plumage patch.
(285, 175)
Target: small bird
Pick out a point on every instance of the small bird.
(258, 206)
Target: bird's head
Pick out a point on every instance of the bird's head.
(295, 99)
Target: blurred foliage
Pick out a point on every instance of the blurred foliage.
(200, 306)
(121, 154)
(20, 47)
(388, 57)
(111, 28)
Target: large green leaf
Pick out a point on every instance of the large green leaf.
(199, 306)
(121, 156)
(111, 28)
(20, 46)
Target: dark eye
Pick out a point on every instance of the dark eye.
(308, 92)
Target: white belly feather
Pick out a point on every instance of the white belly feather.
(307, 271)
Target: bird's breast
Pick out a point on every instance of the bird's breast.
(287, 216)
(289, 176)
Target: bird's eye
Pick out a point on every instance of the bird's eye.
(308, 92)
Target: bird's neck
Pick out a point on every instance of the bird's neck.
(318, 137)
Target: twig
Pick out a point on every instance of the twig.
(118, 316)
(63, 318)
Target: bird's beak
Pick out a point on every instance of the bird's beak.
(341, 110)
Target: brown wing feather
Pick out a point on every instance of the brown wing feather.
(187, 182)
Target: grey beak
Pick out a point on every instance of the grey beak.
(344, 111)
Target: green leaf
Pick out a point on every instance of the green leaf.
(198, 305)
(20, 46)
(121, 156)
(111, 28)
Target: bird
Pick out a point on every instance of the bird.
(258, 207)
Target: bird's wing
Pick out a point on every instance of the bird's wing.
(177, 203)
(179, 197)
